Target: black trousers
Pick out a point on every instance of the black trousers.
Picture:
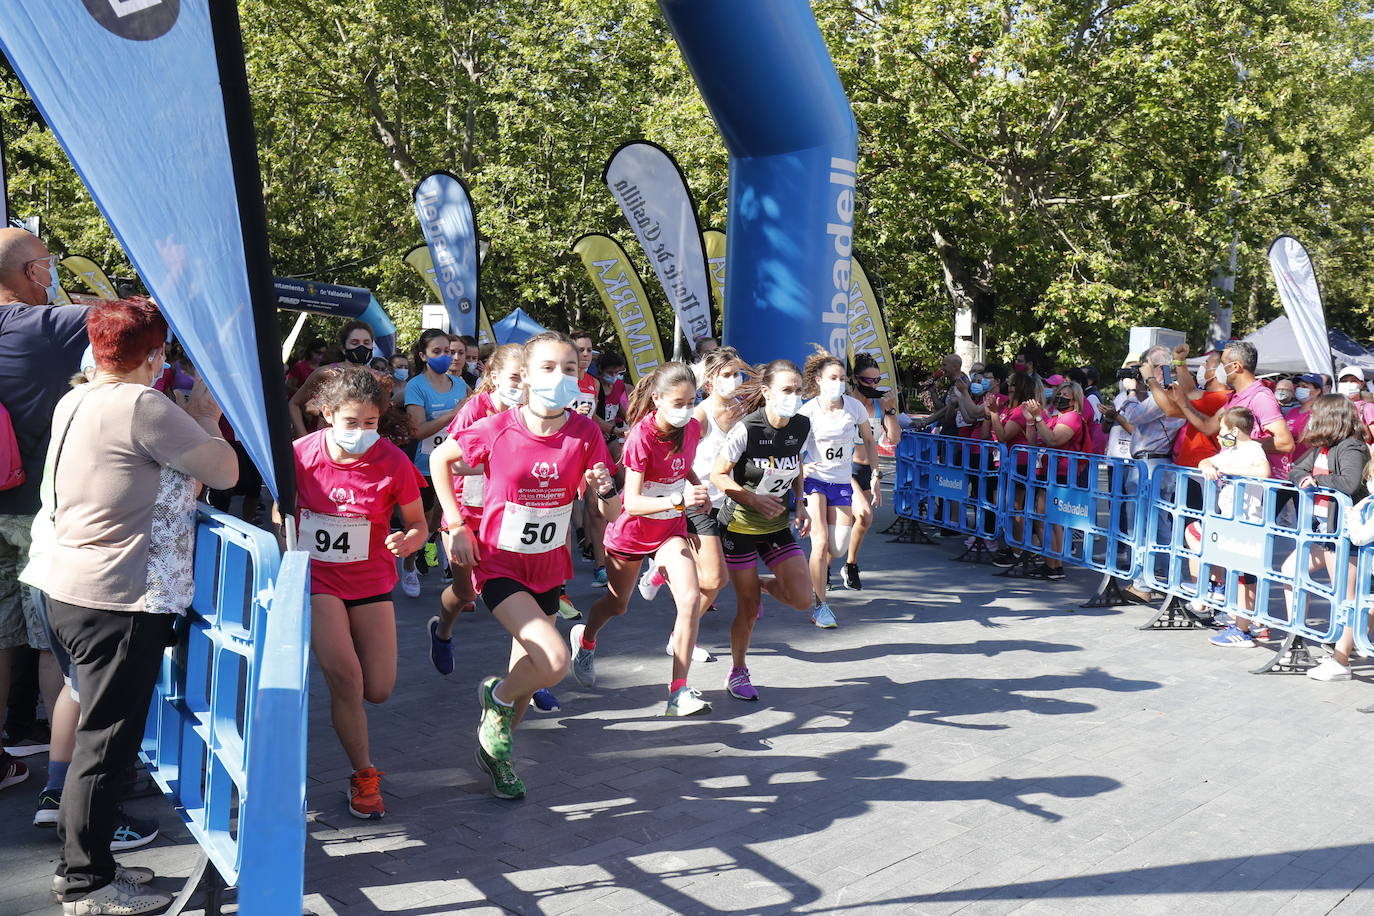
(117, 657)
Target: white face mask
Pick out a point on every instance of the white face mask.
(552, 390)
(471, 366)
(1222, 375)
(676, 416)
(787, 405)
(511, 397)
(1202, 376)
(1283, 395)
(354, 441)
(832, 389)
(1302, 394)
(1349, 389)
(725, 385)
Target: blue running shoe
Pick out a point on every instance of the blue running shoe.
(599, 578)
(1232, 636)
(545, 701)
(823, 617)
(440, 650)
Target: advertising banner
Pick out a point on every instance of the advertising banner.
(444, 208)
(652, 193)
(868, 327)
(179, 187)
(341, 301)
(95, 279)
(422, 261)
(618, 284)
(1302, 301)
(714, 240)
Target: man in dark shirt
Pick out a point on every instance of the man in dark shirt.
(40, 348)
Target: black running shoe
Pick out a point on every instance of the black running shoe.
(1004, 558)
(132, 832)
(851, 577)
(49, 803)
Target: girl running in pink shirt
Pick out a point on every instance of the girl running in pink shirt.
(538, 459)
(348, 481)
(660, 486)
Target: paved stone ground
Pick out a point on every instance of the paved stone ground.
(963, 743)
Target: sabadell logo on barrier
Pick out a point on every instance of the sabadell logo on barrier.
(136, 20)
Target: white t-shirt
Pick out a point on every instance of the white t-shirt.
(830, 447)
(1118, 440)
(1240, 458)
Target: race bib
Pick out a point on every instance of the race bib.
(654, 489)
(429, 443)
(836, 453)
(474, 488)
(335, 538)
(612, 411)
(776, 481)
(531, 531)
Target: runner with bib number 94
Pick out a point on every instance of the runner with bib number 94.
(348, 481)
(539, 457)
(758, 468)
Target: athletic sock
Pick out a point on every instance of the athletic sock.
(658, 577)
(676, 685)
(57, 775)
(588, 644)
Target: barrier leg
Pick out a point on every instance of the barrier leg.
(1173, 615)
(1293, 657)
(1109, 594)
(206, 876)
(1022, 567)
(977, 553)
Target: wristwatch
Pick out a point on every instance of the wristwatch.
(891, 412)
(677, 499)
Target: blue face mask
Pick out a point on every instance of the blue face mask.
(401, 374)
(439, 364)
(978, 388)
(552, 390)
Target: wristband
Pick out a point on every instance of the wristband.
(1178, 362)
(445, 527)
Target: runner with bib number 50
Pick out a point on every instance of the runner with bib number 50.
(348, 481)
(758, 467)
(539, 458)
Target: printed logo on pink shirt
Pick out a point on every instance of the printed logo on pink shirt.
(544, 472)
(342, 496)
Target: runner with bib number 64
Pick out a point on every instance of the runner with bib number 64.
(348, 481)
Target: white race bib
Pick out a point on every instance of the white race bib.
(835, 453)
(612, 411)
(335, 538)
(429, 443)
(654, 489)
(527, 530)
(776, 481)
(474, 488)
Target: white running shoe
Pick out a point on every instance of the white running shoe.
(651, 582)
(698, 653)
(410, 583)
(686, 701)
(118, 898)
(1329, 670)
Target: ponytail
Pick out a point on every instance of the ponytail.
(499, 357)
(641, 400)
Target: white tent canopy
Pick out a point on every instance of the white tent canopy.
(1279, 351)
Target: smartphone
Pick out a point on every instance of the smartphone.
(1168, 373)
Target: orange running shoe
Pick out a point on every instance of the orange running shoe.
(365, 794)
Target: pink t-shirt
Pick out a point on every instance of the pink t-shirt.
(1297, 422)
(664, 471)
(1079, 441)
(1265, 408)
(334, 502)
(478, 407)
(530, 489)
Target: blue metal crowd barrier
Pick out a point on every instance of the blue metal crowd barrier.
(226, 730)
(1362, 610)
(950, 482)
(1249, 542)
(1092, 497)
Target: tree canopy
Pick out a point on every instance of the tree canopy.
(1067, 169)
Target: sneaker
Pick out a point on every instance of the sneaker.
(686, 701)
(1005, 558)
(118, 898)
(851, 577)
(34, 741)
(365, 794)
(739, 685)
(566, 609)
(431, 554)
(493, 734)
(440, 650)
(49, 803)
(1232, 636)
(698, 653)
(504, 782)
(131, 874)
(12, 770)
(410, 583)
(823, 617)
(1215, 592)
(545, 701)
(583, 660)
(1259, 632)
(651, 582)
(1050, 572)
(599, 579)
(1329, 670)
(131, 832)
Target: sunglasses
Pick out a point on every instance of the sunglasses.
(868, 379)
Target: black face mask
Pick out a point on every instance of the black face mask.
(870, 392)
(358, 355)
(1063, 403)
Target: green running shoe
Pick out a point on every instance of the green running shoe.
(494, 732)
(431, 554)
(504, 782)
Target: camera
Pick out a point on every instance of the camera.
(1131, 372)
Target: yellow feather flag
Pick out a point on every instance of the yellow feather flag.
(423, 262)
(90, 273)
(715, 265)
(615, 279)
(867, 327)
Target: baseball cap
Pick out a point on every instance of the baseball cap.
(1352, 372)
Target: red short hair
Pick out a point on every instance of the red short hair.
(124, 331)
